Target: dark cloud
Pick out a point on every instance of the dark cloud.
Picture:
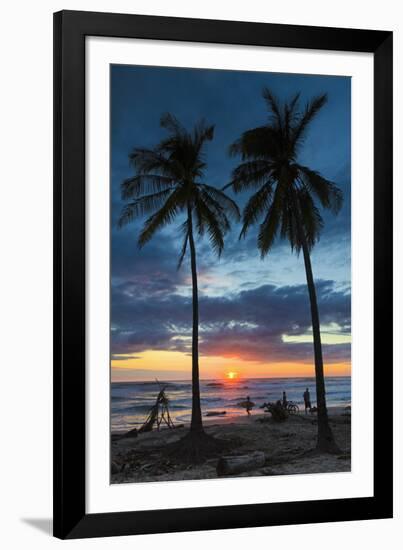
(153, 269)
(249, 324)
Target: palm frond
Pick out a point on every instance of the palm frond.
(207, 221)
(289, 227)
(201, 133)
(162, 217)
(311, 110)
(229, 206)
(216, 209)
(328, 193)
(262, 142)
(142, 206)
(312, 221)
(271, 223)
(294, 103)
(144, 184)
(274, 107)
(146, 161)
(258, 203)
(172, 124)
(289, 114)
(249, 174)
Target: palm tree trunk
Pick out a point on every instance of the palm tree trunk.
(196, 424)
(326, 441)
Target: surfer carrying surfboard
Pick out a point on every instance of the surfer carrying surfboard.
(249, 405)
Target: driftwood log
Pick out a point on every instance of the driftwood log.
(232, 465)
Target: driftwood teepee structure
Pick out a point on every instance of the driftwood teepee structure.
(159, 413)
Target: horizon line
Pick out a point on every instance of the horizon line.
(226, 379)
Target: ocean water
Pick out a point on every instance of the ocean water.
(131, 401)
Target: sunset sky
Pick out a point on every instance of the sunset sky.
(254, 314)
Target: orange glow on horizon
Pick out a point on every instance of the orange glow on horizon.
(175, 365)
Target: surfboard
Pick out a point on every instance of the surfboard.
(246, 404)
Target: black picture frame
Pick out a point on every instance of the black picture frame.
(70, 517)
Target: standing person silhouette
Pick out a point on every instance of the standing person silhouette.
(249, 405)
(307, 400)
(284, 399)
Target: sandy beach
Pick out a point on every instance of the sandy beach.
(286, 447)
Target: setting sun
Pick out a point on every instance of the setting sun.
(231, 375)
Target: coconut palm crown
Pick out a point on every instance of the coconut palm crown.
(287, 204)
(168, 182)
(270, 155)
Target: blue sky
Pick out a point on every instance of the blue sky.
(258, 308)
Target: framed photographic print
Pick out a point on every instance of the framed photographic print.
(223, 274)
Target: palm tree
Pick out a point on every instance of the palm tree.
(287, 202)
(168, 184)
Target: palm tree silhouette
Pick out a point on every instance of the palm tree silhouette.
(286, 199)
(167, 184)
